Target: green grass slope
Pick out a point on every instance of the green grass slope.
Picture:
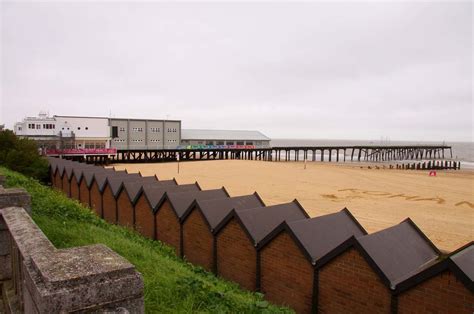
(171, 284)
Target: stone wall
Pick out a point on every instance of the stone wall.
(38, 278)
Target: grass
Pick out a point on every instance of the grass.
(171, 284)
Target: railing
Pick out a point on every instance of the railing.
(82, 151)
(216, 147)
(38, 278)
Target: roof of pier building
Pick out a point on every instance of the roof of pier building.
(197, 134)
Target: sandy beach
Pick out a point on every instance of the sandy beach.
(442, 206)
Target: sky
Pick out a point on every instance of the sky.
(341, 70)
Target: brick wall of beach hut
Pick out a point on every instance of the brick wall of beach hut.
(125, 210)
(168, 226)
(144, 218)
(443, 293)
(286, 274)
(96, 198)
(84, 193)
(109, 205)
(236, 256)
(349, 284)
(198, 241)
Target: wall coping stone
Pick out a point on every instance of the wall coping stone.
(71, 279)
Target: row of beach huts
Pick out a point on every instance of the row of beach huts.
(325, 264)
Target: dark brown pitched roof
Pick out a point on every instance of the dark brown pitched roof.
(399, 251)
(101, 177)
(216, 210)
(134, 188)
(116, 182)
(458, 262)
(260, 221)
(464, 260)
(180, 201)
(318, 236)
(156, 193)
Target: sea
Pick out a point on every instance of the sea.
(462, 151)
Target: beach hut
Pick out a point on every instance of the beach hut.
(445, 287)
(200, 220)
(58, 178)
(240, 232)
(97, 186)
(67, 173)
(128, 195)
(85, 184)
(288, 255)
(53, 166)
(171, 210)
(113, 185)
(359, 275)
(147, 202)
(76, 177)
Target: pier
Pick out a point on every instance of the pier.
(369, 153)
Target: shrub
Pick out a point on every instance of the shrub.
(22, 155)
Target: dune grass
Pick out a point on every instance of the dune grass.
(171, 284)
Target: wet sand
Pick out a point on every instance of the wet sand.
(442, 206)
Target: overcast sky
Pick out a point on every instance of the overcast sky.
(291, 70)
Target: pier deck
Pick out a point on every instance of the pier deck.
(321, 153)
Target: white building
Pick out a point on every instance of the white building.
(87, 132)
(66, 132)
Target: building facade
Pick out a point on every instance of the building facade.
(145, 134)
(79, 133)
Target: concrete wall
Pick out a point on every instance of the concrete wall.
(38, 278)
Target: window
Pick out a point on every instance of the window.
(209, 142)
(249, 143)
(114, 132)
(31, 126)
(38, 126)
(155, 130)
(220, 143)
(78, 127)
(87, 128)
(172, 130)
(19, 128)
(137, 129)
(154, 141)
(230, 142)
(122, 129)
(240, 143)
(171, 141)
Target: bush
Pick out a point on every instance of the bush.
(22, 155)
